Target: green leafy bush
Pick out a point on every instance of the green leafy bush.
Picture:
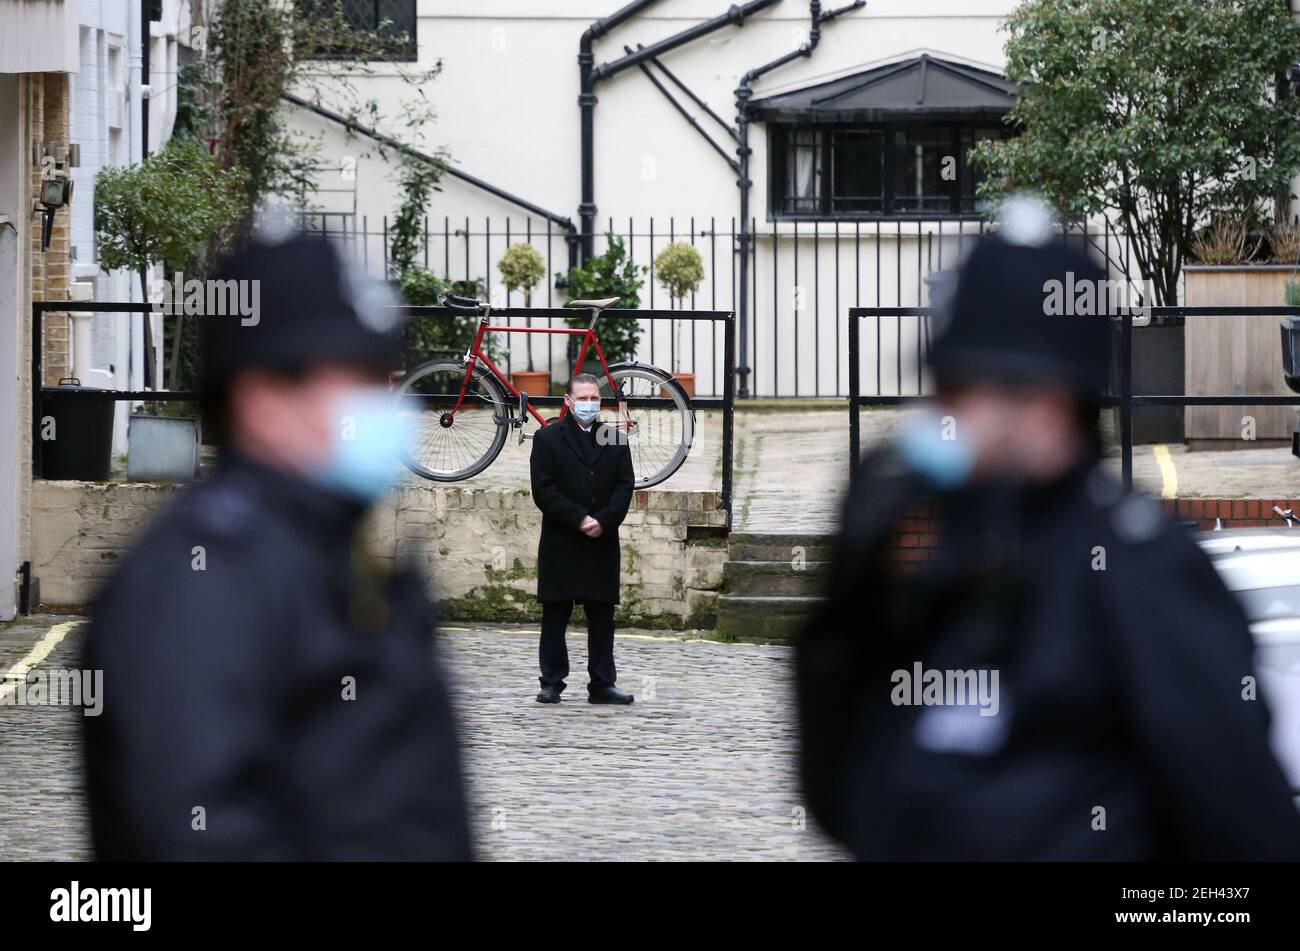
(1158, 114)
(164, 210)
(437, 337)
(612, 274)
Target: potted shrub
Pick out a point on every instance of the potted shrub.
(424, 340)
(612, 274)
(679, 270)
(521, 267)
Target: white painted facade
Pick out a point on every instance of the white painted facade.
(107, 92)
(507, 104)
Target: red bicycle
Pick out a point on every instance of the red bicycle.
(460, 411)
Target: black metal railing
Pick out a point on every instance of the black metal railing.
(800, 275)
(726, 371)
(1123, 399)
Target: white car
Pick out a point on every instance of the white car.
(1261, 566)
(1277, 662)
(1265, 580)
(1230, 540)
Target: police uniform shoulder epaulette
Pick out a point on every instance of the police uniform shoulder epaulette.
(1134, 517)
(226, 507)
(1137, 518)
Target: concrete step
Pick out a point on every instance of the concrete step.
(771, 546)
(773, 577)
(775, 619)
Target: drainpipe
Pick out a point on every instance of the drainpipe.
(587, 105)
(746, 238)
(145, 79)
(590, 75)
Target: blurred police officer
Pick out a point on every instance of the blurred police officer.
(1066, 677)
(271, 692)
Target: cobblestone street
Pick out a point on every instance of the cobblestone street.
(700, 767)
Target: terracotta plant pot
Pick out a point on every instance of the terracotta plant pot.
(532, 382)
(687, 381)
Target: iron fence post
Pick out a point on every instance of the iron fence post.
(1126, 399)
(728, 413)
(853, 391)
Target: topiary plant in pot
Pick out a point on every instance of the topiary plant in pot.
(679, 270)
(521, 267)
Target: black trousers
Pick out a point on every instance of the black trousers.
(554, 652)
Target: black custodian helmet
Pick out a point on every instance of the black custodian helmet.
(304, 302)
(1018, 311)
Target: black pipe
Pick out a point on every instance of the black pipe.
(565, 223)
(587, 106)
(694, 97)
(144, 79)
(589, 75)
(735, 16)
(743, 151)
(694, 123)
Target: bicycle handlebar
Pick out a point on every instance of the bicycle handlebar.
(462, 305)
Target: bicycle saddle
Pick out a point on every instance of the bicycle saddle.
(598, 304)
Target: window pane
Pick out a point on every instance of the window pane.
(919, 154)
(391, 21)
(970, 176)
(803, 172)
(857, 171)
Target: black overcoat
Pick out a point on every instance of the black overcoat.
(228, 639)
(576, 474)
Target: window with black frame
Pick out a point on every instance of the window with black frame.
(901, 169)
(391, 22)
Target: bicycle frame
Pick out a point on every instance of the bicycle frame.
(476, 353)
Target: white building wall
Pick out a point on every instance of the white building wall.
(507, 98)
(507, 111)
(108, 129)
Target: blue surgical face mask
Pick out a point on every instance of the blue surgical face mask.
(368, 437)
(932, 445)
(586, 410)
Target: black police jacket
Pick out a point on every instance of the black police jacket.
(576, 474)
(1122, 728)
(269, 694)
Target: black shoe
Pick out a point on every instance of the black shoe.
(549, 694)
(607, 695)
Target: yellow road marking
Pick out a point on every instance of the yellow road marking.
(37, 654)
(1168, 472)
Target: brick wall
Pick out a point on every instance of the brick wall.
(51, 268)
(1234, 513)
(915, 538)
(918, 532)
(478, 547)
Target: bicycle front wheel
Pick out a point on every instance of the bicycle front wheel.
(448, 446)
(658, 421)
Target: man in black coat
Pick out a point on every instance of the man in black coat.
(1065, 677)
(582, 482)
(272, 693)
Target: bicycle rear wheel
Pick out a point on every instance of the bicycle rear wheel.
(443, 446)
(659, 423)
